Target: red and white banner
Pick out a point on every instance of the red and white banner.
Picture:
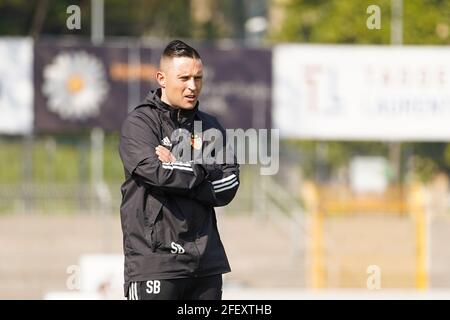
(362, 92)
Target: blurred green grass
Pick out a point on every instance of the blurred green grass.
(56, 159)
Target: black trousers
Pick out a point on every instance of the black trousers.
(205, 288)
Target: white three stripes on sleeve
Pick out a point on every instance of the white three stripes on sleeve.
(185, 166)
(225, 183)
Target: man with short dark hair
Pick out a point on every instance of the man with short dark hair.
(171, 242)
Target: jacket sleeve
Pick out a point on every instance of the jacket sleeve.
(221, 187)
(137, 151)
(222, 180)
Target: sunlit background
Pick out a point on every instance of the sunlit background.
(360, 93)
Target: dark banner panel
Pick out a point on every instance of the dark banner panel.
(237, 85)
(79, 86)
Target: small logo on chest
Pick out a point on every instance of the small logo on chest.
(166, 142)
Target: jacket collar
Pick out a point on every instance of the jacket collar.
(177, 115)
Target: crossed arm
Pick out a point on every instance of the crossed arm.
(154, 165)
(219, 186)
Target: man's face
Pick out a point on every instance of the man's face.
(181, 81)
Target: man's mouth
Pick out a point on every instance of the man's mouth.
(191, 97)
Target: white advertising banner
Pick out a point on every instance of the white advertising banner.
(16, 85)
(362, 92)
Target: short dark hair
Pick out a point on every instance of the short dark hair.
(177, 48)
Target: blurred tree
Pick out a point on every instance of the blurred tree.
(199, 19)
(218, 19)
(154, 18)
(33, 18)
(39, 18)
(336, 21)
(16, 17)
(426, 22)
(328, 21)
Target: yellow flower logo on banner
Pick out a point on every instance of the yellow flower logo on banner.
(75, 85)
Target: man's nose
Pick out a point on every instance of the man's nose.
(191, 84)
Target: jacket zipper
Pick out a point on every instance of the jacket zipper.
(152, 235)
(198, 255)
(195, 274)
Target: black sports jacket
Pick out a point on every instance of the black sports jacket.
(167, 212)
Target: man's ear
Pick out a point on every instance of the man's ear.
(161, 78)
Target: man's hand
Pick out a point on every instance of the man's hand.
(164, 155)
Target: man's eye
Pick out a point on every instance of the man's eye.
(184, 78)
